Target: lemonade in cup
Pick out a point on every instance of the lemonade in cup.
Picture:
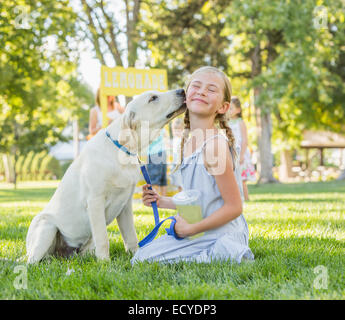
(188, 207)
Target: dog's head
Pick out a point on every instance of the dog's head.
(148, 113)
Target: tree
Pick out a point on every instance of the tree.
(112, 30)
(285, 52)
(181, 36)
(37, 74)
(271, 48)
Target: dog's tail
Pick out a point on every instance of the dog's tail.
(41, 238)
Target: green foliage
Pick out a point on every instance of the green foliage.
(50, 168)
(27, 165)
(296, 52)
(40, 91)
(182, 36)
(64, 167)
(300, 74)
(2, 167)
(19, 166)
(36, 164)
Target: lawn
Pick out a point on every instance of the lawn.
(297, 234)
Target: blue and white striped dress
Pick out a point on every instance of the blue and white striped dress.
(229, 241)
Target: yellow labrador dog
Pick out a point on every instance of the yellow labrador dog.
(99, 184)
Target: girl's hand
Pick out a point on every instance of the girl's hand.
(182, 228)
(150, 196)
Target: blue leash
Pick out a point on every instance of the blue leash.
(170, 231)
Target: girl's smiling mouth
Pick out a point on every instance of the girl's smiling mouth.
(197, 99)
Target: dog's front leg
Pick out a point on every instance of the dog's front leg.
(126, 225)
(96, 212)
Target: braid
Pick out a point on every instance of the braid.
(185, 134)
(224, 125)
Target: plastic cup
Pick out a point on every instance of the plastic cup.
(188, 206)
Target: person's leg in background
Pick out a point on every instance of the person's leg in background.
(157, 170)
(245, 190)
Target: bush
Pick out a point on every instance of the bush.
(2, 168)
(50, 168)
(64, 167)
(27, 166)
(35, 165)
(19, 167)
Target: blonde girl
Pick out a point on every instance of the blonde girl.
(208, 163)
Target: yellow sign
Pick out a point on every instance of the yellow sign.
(129, 82)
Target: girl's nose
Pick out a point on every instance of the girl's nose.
(201, 90)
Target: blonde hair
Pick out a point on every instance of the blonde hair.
(98, 99)
(221, 118)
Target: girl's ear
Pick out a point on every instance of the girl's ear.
(224, 108)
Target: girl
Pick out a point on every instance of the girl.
(239, 130)
(95, 120)
(207, 164)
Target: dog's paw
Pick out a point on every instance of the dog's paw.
(132, 249)
(103, 257)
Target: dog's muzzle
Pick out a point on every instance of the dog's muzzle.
(180, 93)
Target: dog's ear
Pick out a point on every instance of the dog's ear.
(128, 127)
(128, 121)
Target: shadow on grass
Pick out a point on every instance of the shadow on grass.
(294, 222)
(32, 194)
(283, 200)
(305, 249)
(297, 188)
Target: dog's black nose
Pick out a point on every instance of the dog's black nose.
(180, 92)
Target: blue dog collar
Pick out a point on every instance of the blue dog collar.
(119, 145)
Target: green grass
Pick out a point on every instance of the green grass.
(293, 229)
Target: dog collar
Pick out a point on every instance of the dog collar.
(119, 145)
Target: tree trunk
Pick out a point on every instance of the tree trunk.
(263, 125)
(285, 169)
(9, 170)
(264, 133)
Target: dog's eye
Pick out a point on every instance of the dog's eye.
(153, 98)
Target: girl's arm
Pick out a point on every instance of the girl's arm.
(218, 162)
(244, 143)
(120, 108)
(152, 195)
(93, 126)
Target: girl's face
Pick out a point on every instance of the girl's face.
(111, 101)
(205, 94)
